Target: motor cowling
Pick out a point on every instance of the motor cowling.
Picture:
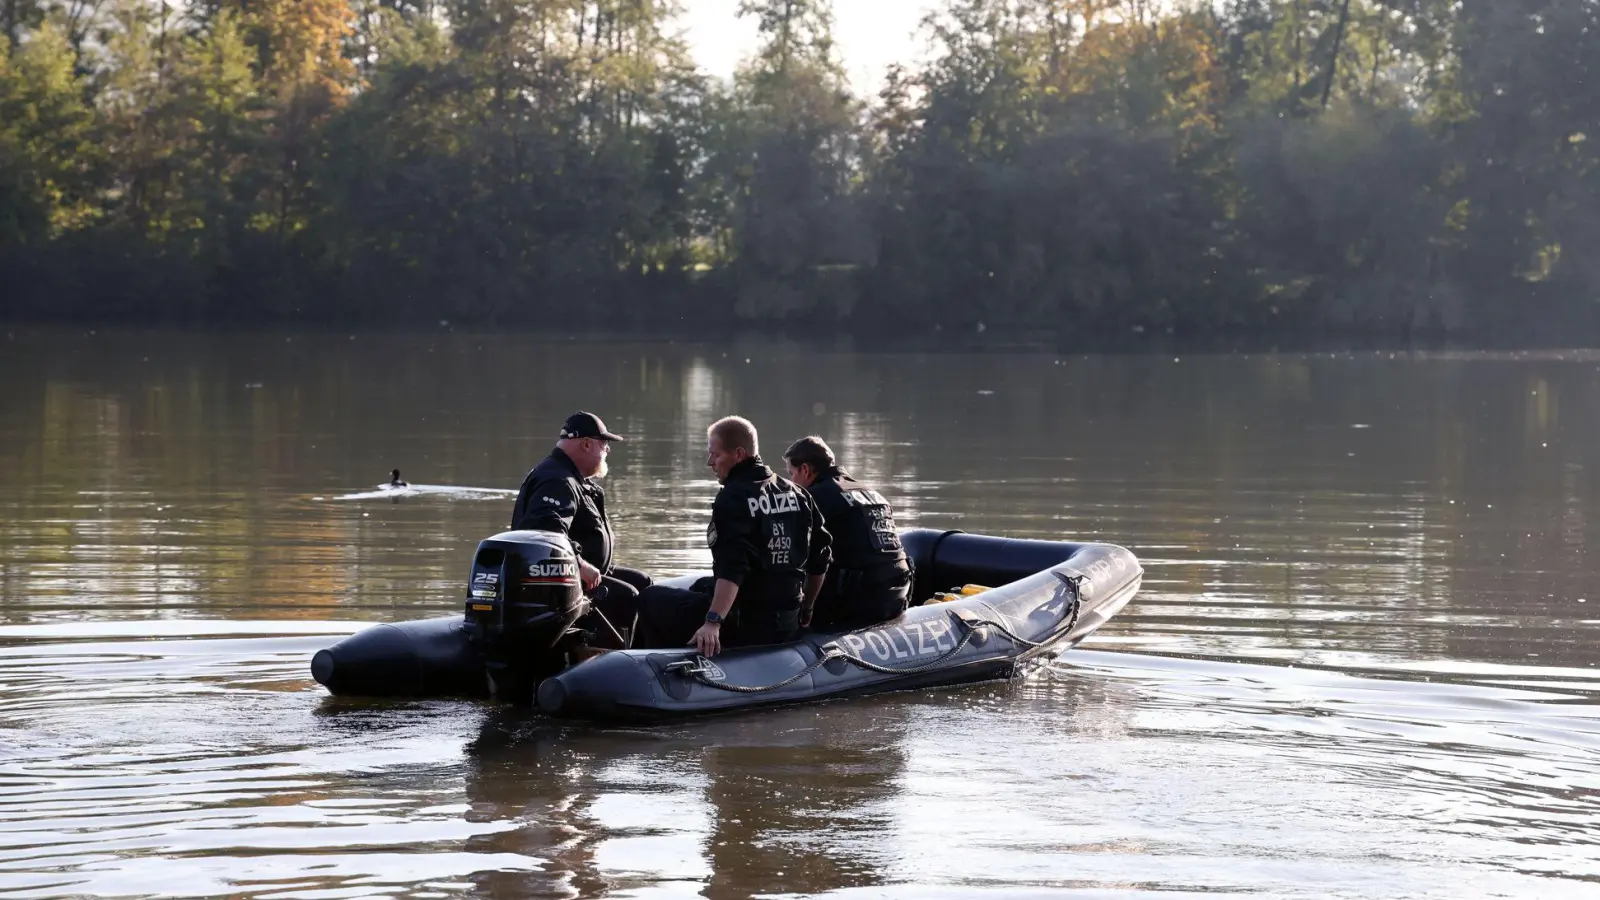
(523, 597)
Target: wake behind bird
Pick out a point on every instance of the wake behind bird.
(445, 491)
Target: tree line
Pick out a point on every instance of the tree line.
(1085, 166)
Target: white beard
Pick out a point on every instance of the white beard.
(604, 468)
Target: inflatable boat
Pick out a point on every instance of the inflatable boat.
(984, 609)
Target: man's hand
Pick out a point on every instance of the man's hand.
(588, 574)
(708, 640)
(808, 600)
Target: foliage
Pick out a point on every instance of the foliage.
(1088, 166)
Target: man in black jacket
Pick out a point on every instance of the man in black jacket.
(870, 579)
(560, 494)
(769, 553)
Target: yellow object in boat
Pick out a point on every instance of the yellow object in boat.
(966, 590)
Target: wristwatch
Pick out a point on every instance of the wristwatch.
(713, 617)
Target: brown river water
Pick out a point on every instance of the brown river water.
(1364, 662)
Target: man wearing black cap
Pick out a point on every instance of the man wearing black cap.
(560, 495)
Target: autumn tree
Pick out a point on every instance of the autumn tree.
(789, 155)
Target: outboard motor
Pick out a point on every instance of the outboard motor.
(523, 598)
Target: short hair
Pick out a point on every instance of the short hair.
(810, 451)
(733, 433)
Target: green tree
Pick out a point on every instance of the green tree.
(139, 123)
(218, 99)
(789, 154)
(1530, 70)
(46, 152)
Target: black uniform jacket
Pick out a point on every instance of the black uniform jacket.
(766, 535)
(860, 520)
(870, 580)
(554, 497)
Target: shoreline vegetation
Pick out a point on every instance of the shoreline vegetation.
(1069, 172)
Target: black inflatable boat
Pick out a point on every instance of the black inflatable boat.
(1041, 597)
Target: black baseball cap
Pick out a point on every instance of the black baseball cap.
(587, 425)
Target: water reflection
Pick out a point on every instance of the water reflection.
(549, 780)
(140, 767)
(791, 801)
(1364, 659)
(187, 480)
(1111, 771)
(800, 807)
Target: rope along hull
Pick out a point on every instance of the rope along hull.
(1045, 597)
(1051, 595)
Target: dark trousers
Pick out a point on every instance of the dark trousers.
(669, 617)
(616, 598)
(857, 598)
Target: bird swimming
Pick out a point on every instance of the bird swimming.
(394, 479)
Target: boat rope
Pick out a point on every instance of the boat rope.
(699, 668)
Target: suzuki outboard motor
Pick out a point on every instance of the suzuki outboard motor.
(523, 598)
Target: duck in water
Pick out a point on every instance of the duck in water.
(395, 480)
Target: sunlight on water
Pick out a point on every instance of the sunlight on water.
(1363, 663)
(446, 491)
